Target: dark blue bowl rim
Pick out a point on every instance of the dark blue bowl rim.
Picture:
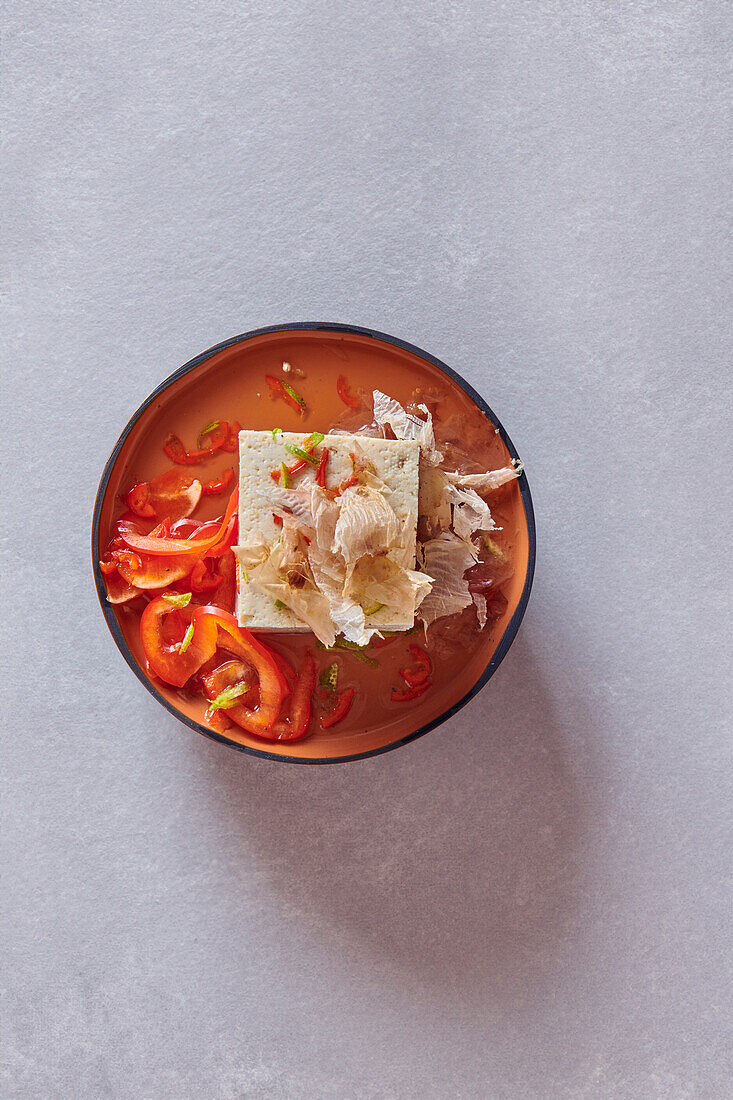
(507, 637)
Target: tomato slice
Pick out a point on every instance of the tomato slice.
(138, 500)
(174, 494)
(198, 547)
(164, 657)
(119, 590)
(272, 685)
(151, 571)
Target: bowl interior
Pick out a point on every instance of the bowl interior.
(228, 381)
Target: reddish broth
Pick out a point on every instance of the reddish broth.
(231, 385)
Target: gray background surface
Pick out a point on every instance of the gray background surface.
(533, 901)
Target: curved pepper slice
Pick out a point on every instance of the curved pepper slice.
(272, 685)
(202, 579)
(138, 501)
(197, 547)
(149, 571)
(410, 692)
(421, 671)
(348, 398)
(343, 705)
(213, 488)
(164, 657)
(297, 722)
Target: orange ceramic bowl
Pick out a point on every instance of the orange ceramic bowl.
(228, 380)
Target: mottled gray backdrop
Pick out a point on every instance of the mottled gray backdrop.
(532, 902)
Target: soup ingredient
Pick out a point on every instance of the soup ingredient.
(348, 398)
(296, 721)
(445, 559)
(219, 485)
(410, 693)
(329, 677)
(198, 547)
(421, 670)
(284, 390)
(167, 659)
(137, 501)
(343, 705)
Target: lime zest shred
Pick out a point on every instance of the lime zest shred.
(177, 599)
(300, 453)
(313, 440)
(228, 697)
(329, 677)
(372, 609)
(186, 639)
(280, 605)
(285, 475)
(276, 431)
(293, 393)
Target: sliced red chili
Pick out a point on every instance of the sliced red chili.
(202, 579)
(287, 393)
(321, 471)
(343, 705)
(227, 591)
(422, 669)
(137, 501)
(231, 443)
(217, 433)
(410, 692)
(347, 485)
(212, 488)
(348, 398)
(173, 447)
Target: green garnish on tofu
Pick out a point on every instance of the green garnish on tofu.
(300, 453)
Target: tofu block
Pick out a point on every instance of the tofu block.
(396, 462)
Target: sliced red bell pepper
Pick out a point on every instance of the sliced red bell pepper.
(418, 673)
(202, 579)
(321, 471)
(119, 590)
(165, 658)
(213, 488)
(198, 547)
(348, 398)
(343, 705)
(162, 531)
(227, 588)
(410, 692)
(137, 500)
(174, 494)
(272, 685)
(295, 725)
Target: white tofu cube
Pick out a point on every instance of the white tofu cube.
(396, 462)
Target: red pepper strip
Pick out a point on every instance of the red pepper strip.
(342, 386)
(301, 705)
(286, 668)
(273, 687)
(277, 520)
(301, 464)
(174, 493)
(202, 579)
(197, 547)
(165, 659)
(137, 501)
(410, 692)
(347, 485)
(226, 593)
(420, 671)
(185, 528)
(277, 389)
(177, 453)
(231, 443)
(212, 488)
(321, 471)
(107, 566)
(343, 705)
